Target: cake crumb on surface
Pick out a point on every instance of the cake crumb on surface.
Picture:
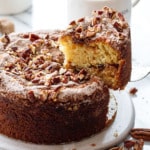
(116, 134)
(93, 144)
(133, 91)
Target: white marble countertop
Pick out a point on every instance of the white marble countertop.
(140, 31)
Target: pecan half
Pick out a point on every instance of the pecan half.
(117, 148)
(118, 26)
(5, 39)
(141, 133)
(33, 37)
(130, 145)
(135, 144)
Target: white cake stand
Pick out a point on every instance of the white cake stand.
(110, 136)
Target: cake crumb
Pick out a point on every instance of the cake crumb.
(93, 144)
(115, 134)
(133, 91)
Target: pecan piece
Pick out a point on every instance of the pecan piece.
(36, 80)
(25, 36)
(141, 133)
(28, 75)
(79, 29)
(81, 20)
(72, 23)
(53, 66)
(55, 80)
(25, 53)
(31, 96)
(81, 75)
(90, 33)
(129, 143)
(117, 148)
(121, 16)
(133, 91)
(100, 12)
(118, 26)
(136, 145)
(14, 48)
(33, 37)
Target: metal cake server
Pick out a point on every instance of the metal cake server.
(139, 73)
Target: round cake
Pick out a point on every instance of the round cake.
(42, 102)
(48, 96)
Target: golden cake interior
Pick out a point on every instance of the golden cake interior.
(99, 58)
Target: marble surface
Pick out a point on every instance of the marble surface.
(140, 32)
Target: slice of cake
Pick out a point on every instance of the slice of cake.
(100, 44)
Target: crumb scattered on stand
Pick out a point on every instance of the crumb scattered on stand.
(115, 134)
(93, 144)
(6, 26)
(133, 91)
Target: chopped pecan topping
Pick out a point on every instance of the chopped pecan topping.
(55, 80)
(36, 80)
(90, 33)
(95, 20)
(9, 66)
(14, 48)
(83, 72)
(111, 14)
(53, 66)
(118, 26)
(25, 36)
(117, 148)
(100, 12)
(28, 75)
(47, 36)
(33, 37)
(73, 23)
(79, 29)
(81, 20)
(25, 53)
(103, 24)
(121, 16)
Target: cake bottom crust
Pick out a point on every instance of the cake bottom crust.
(41, 130)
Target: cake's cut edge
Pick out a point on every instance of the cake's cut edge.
(112, 110)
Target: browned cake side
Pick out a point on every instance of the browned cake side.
(42, 102)
(102, 44)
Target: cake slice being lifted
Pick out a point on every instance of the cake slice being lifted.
(102, 45)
